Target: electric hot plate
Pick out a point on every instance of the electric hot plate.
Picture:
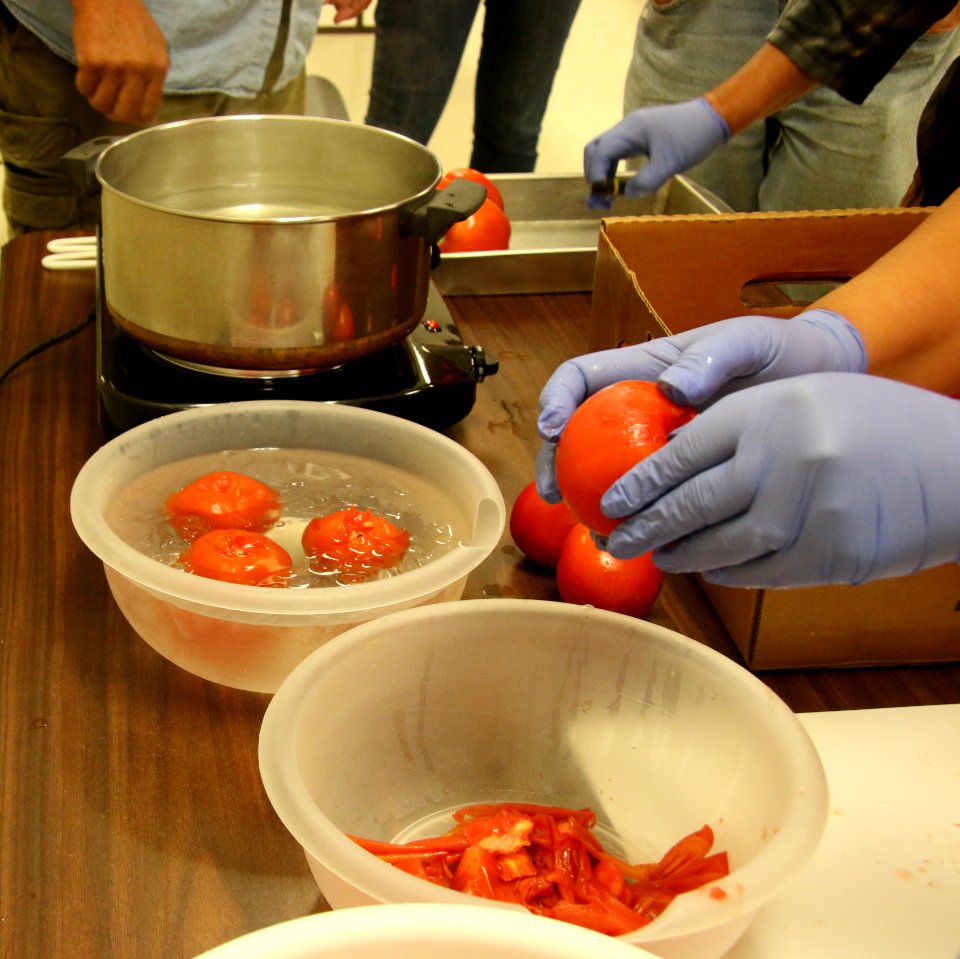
(430, 377)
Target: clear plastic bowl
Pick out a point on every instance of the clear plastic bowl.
(423, 931)
(250, 637)
(386, 730)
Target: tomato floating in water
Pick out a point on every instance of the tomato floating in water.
(468, 173)
(607, 435)
(354, 543)
(238, 556)
(587, 575)
(487, 229)
(222, 500)
(538, 527)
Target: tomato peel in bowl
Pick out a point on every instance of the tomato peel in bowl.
(606, 436)
(547, 859)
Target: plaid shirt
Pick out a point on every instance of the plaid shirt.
(850, 45)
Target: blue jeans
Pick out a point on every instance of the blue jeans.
(821, 152)
(417, 51)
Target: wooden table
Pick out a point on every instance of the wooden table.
(133, 820)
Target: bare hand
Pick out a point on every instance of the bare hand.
(348, 9)
(122, 59)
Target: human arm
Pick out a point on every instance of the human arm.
(122, 58)
(851, 45)
(906, 304)
(677, 136)
(904, 313)
(899, 318)
(848, 45)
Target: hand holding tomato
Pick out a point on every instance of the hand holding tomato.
(831, 478)
(353, 543)
(222, 500)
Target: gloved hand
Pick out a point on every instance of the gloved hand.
(674, 137)
(700, 366)
(826, 478)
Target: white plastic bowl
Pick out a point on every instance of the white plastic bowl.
(423, 931)
(385, 730)
(251, 637)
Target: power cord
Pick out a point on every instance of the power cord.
(45, 345)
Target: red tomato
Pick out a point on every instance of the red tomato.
(608, 434)
(487, 229)
(238, 556)
(591, 576)
(538, 527)
(222, 500)
(354, 543)
(467, 173)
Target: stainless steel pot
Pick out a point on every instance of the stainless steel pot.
(270, 242)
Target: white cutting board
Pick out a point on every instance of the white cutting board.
(885, 882)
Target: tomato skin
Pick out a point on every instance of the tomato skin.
(468, 173)
(222, 500)
(552, 864)
(538, 527)
(239, 556)
(587, 575)
(607, 435)
(487, 229)
(354, 543)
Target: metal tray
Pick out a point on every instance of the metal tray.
(553, 244)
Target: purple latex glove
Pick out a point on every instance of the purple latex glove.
(825, 478)
(698, 367)
(673, 137)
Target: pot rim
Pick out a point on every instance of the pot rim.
(165, 129)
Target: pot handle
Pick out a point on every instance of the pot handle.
(80, 164)
(461, 199)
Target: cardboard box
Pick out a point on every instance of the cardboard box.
(660, 275)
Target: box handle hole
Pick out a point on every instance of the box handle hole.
(791, 291)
